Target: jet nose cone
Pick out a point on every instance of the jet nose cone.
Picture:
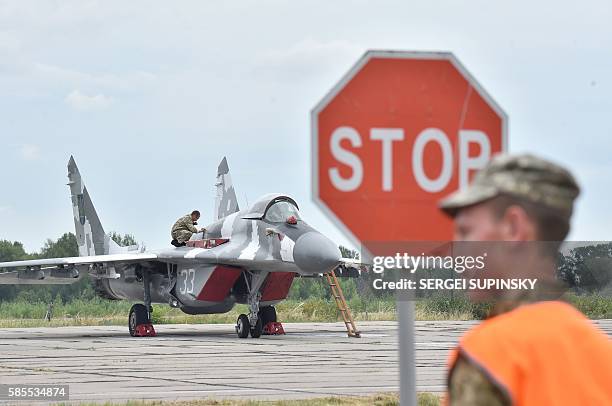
(313, 252)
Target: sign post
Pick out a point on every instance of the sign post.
(396, 134)
(405, 344)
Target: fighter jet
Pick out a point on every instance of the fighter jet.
(248, 256)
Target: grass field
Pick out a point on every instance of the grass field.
(424, 399)
(99, 312)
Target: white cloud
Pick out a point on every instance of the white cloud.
(58, 74)
(83, 102)
(310, 50)
(30, 152)
(309, 58)
(192, 68)
(9, 43)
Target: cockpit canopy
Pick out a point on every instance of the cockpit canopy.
(275, 208)
(281, 211)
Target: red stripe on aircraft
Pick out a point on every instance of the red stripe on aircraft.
(207, 243)
(219, 283)
(277, 286)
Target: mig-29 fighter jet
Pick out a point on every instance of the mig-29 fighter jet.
(248, 256)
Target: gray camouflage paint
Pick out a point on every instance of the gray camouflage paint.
(90, 235)
(255, 245)
(226, 202)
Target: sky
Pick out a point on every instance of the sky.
(149, 96)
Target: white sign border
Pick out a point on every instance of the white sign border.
(383, 54)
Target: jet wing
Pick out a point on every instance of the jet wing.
(61, 271)
(351, 268)
(39, 277)
(93, 259)
(354, 262)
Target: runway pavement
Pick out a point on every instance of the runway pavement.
(209, 361)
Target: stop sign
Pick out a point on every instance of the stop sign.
(397, 133)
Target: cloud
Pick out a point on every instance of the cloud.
(309, 58)
(311, 51)
(82, 102)
(30, 152)
(124, 81)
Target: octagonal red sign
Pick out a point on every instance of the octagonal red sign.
(397, 133)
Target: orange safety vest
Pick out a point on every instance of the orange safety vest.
(546, 353)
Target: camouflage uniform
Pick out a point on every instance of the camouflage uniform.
(525, 177)
(183, 229)
(468, 385)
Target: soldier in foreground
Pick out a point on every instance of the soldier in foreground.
(184, 228)
(531, 350)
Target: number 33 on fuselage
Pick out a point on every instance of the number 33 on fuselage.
(247, 256)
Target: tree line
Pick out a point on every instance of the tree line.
(586, 269)
(64, 246)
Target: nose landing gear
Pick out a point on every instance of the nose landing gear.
(256, 323)
(243, 326)
(257, 329)
(262, 326)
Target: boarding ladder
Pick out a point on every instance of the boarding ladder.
(336, 290)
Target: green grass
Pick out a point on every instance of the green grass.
(100, 312)
(384, 399)
(594, 306)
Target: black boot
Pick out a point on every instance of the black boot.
(175, 243)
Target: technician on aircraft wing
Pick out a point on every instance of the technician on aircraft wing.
(184, 228)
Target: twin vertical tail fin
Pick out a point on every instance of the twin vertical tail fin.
(226, 202)
(90, 235)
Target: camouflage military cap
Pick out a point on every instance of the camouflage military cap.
(524, 176)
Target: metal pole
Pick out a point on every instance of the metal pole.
(405, 319)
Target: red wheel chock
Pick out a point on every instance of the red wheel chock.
(145, 330)
(273, 328)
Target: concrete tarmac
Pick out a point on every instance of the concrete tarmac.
(209, 361)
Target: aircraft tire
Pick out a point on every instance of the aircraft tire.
(267, 314)
(258, 329)
(242, 326)
(138, 316)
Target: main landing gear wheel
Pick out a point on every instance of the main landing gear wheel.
(243, 326)
(138, 316)
(258, 329)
